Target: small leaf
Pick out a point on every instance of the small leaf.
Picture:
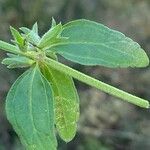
(52, 55)
(50, 36)
(25, 30)
(53, 23)
(11, 55)
(17, 61)
(35, 28)
(91, 43)
(31, 36)
(66, 102)
(17, 36)
(29, 108)
(9, 47)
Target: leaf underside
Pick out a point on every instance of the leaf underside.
(29, 108)
(16, 61)
(91, 43)
(66, 102)
(8, 47)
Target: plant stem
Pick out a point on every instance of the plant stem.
(13, 49)
(98, 84)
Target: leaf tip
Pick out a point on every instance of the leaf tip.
(148, 105)
(140, 58)
(67, 140)
(12, 29)
(35, 27)
(67, 136)
(143, 60)
(3, 62)
(53, 22)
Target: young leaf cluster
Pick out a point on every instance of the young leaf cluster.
(44, 97)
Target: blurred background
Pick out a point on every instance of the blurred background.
(106, 123)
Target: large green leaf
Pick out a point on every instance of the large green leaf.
(91, 43)
(29, 109)
(66, 102)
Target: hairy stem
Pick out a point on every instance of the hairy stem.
(13, 49)
(98, 84)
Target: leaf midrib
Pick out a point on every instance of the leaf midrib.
(30, 106)
(96, 44)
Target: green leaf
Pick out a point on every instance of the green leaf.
(31, 36)
(17, 36)
(11, 55)
(53, 23)
(50, 36)
(52, 55)
(17, 61)
(35, 28)
(66, 102)
(9, 47)
(29, 108)
(91, 43)
(25, 30)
